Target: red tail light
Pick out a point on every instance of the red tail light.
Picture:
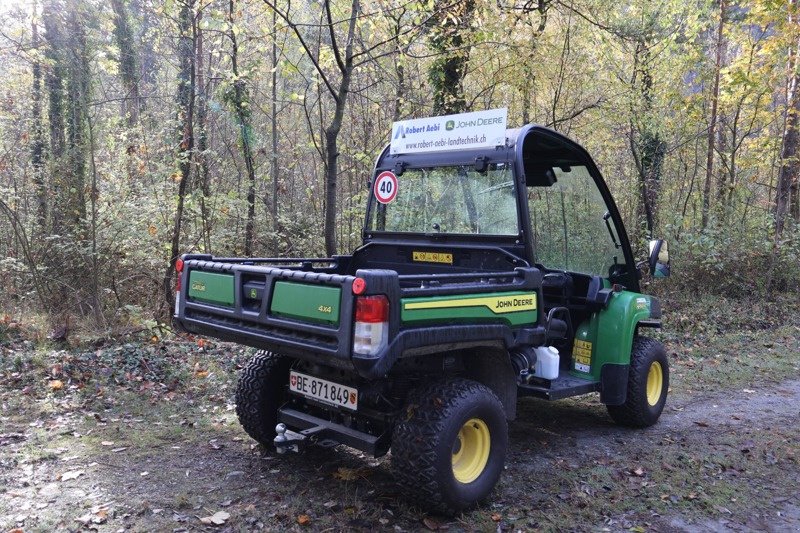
(178, 269)
(372, 309)
(359, 286)
(371, 330)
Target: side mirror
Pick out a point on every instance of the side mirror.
(659, 258)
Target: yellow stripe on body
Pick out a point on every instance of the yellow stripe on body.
(496, 304)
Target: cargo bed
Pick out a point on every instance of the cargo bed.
(304, 308)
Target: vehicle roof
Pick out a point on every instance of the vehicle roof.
(533, 148)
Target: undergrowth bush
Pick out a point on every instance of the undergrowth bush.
(727, 260)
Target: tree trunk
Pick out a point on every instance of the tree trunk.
(528, 67)
(789, 171)
(146, 21)
(713, 118)
(647, 147)
(54, 83)
(242, 109)
(447, 72)
(37, 145)
(332, 132)
(400, 90)
(77, 104)
(127, 62)
(401, 50)
(186, 101)
(332, 160)
(202, 140)
(274, 134)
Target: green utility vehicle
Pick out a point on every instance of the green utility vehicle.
(484, 275)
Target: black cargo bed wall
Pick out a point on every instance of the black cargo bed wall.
(465, 258)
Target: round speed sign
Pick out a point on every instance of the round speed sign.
(385, 187)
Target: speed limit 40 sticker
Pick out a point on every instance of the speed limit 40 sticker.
(385, 187)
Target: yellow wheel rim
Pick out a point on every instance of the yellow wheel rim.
(471, 450)
(655, 382)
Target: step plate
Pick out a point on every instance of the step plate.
(564, 386)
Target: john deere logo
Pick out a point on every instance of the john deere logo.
(450, 125)
(199, 287)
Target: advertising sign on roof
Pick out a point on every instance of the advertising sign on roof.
(481, 129)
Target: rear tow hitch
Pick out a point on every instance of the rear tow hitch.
(287, 440)
(284, 443)
(310, 429)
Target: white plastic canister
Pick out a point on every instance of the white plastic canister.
(546, 362)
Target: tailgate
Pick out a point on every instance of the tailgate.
(292, 311)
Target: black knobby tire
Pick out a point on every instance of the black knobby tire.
(260, 392)
(424, 444)
(639, 410)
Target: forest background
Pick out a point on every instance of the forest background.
(132, 131)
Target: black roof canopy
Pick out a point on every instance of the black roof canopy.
(533, 149)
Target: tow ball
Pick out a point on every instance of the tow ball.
(284, 443)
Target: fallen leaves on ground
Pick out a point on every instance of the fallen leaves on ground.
(303, 519)
(350, 474)
(217, 519)
(94, 516)
(56, 384)
(73, 474)
(431, 523)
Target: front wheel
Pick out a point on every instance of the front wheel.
(449, 450)
(648, 382)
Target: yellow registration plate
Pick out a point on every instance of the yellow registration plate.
(433, 257)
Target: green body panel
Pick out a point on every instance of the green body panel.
(312, 303)
(610, 332)
(514, 308)
(211, 287)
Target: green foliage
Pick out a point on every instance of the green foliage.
(737, 262)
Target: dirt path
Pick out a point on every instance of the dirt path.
(718, 462)
(702, 453)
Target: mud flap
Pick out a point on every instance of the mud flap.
(613, 384)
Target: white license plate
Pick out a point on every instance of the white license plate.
(324, 391)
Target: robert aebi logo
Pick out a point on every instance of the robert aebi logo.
(450, 125)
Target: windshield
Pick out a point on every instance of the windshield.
(451, 199)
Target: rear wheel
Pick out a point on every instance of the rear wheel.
(261, 391)
(449, 450)
(648, 383)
